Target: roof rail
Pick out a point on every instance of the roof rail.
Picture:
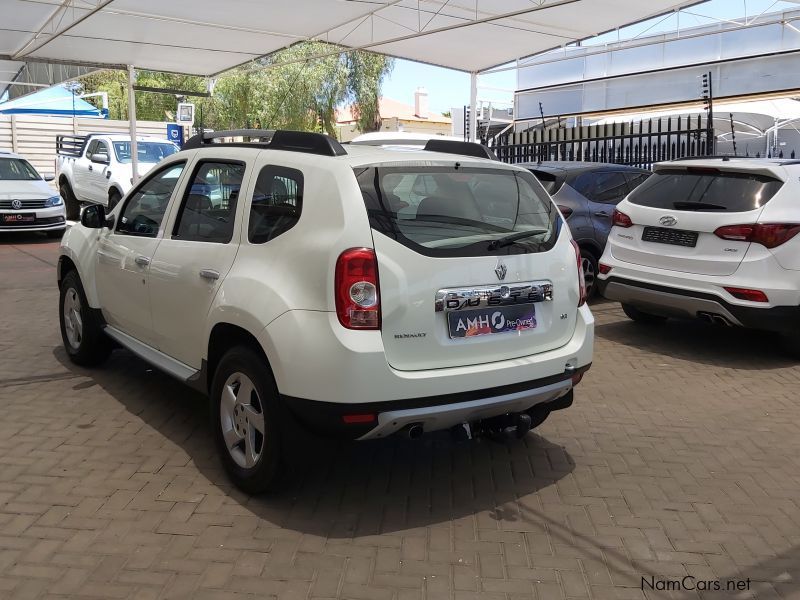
(464, 148)
(273, 139)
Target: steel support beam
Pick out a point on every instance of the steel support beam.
(473, 106)
(132, 123)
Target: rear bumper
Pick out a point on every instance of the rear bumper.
(436, 413)
(678, 302)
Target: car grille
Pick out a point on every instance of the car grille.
(675, 237)
(36, 223)
(26, 204)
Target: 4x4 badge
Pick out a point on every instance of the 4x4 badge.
(500, 270)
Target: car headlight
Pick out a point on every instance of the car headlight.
(53, 201)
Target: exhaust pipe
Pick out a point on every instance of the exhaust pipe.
(415, 431)
(720, 320)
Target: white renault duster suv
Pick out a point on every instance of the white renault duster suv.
(363, 292)
(712, 238)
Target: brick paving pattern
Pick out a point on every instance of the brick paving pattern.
(680, 457)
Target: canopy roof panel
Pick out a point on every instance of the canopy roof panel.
(206, 37)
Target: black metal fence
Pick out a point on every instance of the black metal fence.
(640, 143)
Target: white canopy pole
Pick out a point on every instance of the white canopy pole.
(132, 119)
(473, 106)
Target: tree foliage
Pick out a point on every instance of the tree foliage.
(297, 88)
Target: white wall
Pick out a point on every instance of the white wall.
(34, 137)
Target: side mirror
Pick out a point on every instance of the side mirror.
(99, 158)
(94, 216)
(49, 177)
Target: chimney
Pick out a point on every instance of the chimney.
(421, 103)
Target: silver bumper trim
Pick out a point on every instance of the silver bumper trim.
(434, 418)
(664, 303)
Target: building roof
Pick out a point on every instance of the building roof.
(390, 109)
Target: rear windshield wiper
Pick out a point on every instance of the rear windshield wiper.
(510, 239)
(697, 206)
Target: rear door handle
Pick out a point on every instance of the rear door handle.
(142, 261)
(209, 274)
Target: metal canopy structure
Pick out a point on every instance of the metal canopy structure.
(207, 37)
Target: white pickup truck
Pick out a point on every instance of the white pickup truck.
(96, 168)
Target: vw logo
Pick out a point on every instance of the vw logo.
(668, 221)
(500, 270)
(16, 204)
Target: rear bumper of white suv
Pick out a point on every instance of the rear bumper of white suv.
(686, 295)
(344, 373)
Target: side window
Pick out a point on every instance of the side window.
(277, 203)
(101, 148)
(92, 148)
(208, 208)
(608, 187)
(636, 179)
(145, 208)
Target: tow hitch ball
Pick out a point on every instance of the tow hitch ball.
(518, 424)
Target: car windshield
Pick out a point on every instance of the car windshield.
(149, 152)
(459, 211)
(699, 189)
(17, 169)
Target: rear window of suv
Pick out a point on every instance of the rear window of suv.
(459, 211)
(700, 189)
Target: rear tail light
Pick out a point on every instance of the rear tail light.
(581, 279)
(358, 303)
(620, 219)
(604, 269)
(747, 294)
(565, 210)
(770, 235)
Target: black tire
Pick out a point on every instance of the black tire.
(113, 199)
(91, 346)
(239, 368)
(642, 317)
(589, 262)
(71, 203)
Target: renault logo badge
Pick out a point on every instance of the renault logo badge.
(500, 270)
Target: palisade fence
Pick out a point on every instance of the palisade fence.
(638, 143)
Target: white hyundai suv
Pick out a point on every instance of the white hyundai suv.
(712, 238)
(362, 291)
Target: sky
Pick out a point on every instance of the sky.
(448, 89)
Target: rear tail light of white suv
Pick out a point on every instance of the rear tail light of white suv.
(581, 277)
(620, 219)
(770, 235)
(358, 304)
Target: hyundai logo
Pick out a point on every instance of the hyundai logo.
(500, 270)
(668, 221)
(16, 204)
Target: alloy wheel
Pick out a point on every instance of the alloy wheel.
(242, 420)
(588, 274)
(73, 324)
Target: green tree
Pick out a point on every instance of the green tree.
(297, 88)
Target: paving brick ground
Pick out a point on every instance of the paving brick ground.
(680, 457)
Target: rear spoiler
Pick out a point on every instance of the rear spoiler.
(70, 145)
(767, 169)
